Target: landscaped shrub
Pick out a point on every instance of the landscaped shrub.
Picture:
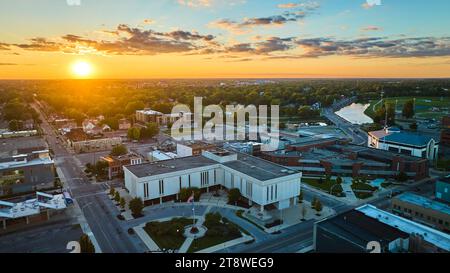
(187, 192)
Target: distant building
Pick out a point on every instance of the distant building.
(193, 148)
(423, 210)
(116, 163)
(148, 115)
(124, 124)
(443, 189)
(8, 134)
(65, 124)
(394, 140)
(159, 156)
(332, 156)
(445, 131)
(262, 183)
(251, 148)
(81, 142)
(356, 231)
(92, 127)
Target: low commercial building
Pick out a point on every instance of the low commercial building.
(80, 142)
(25, 165)
(408, 143)
(193, 148)
(332, 156)
(10, 211)
(443, 189)
(160, 155)
(116, 163)
(251, 148)
(423, 210)
(65, 124)
(368, 229)
(263, 183)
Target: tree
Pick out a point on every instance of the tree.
(313, 202)
(122, 202)
(117, 196)
(150, 130)
(234, 195)
(15, 125)
(134, 133)
(408, 109)
(185, 193)
(112, 191)
(101, 168)
(86, 246)
(318, 207)
(133, 106)
(339, 180)
(304, 211)
(402, 177)
(119, 150)
(136, 206)
(306, 112)
(300, 197)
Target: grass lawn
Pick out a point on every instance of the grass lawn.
(363, 187)
(218, 233)
(165, 234)
(423, 106)
(325, 185)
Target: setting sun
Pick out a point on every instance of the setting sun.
(82, 69)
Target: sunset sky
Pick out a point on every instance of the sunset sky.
(52, 39)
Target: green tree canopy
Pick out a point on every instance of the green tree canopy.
(119, 150)
(86, 246)
(136, 206)
(408, 109)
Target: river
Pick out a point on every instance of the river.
(355, 113)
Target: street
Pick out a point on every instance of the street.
(96, 208)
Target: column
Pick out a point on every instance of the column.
(27, 220)
(48, 215)
(160, 200)
(262, 209)
(4, 223)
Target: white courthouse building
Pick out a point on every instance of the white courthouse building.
(261, 182)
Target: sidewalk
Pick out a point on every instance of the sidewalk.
(143, 235)
(243, 239)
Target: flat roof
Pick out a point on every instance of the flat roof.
(12, 146)
(258, 168)
(433, 236)
(170, 166)
(424, 202)
(361, 229)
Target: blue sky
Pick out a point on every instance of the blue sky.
(400, 32)
(338, 18)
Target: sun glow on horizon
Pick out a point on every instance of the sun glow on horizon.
(82, 69)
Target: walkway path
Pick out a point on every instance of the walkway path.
(347, 187)
(187, 243)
